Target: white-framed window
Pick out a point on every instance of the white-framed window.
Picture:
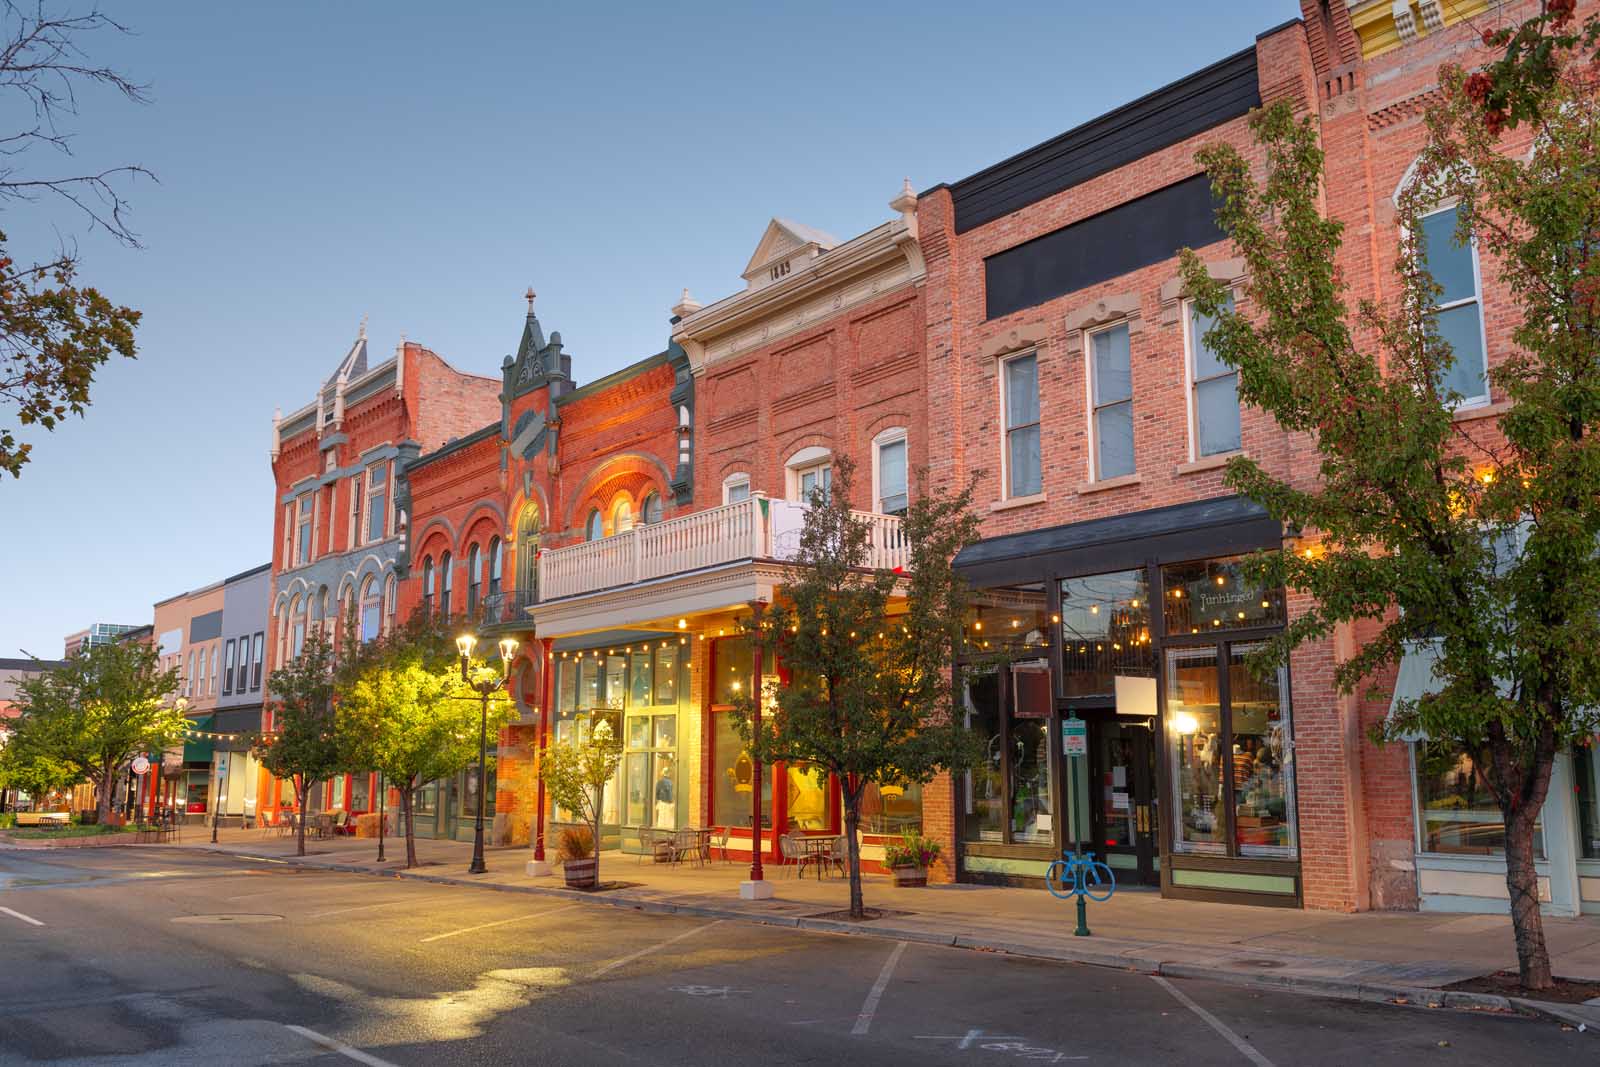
(497, 551)
(1021, 458)
(622, 516)
(353, 534)
(1458, 316)
(1110, 402)
(890, 487)
(1213, 389)
(650, 510)
(302, 550)
(809, 471)
(427, 585)
(258, 654)
(288, 536)
(735, 487)
(297, 627)
(474, 577)
(227, 667)
(371, 609)
(594, 526)
(391, 595)
(188, 677)
(377, 502)
(446, 586)
(215, 652)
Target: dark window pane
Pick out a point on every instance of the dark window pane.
(1466, 374)
(1008, 617)
(1113, 377)
(1216, 404)
(1113, 433)
(1105, 631)
(983, 789)
(1022, 391)
(1459, 813)
(1023, 465)
(1449, 263)
(1209, 595)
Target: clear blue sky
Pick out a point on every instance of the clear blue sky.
(424, 163)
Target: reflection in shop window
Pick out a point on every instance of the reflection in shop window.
(1587, 770)
(808, 797)
(361, 793)
(1263, 762)
(1194, 722)
(891, 809)
(1105, 631)
(1213, 595)
(639, 677)
(732, 776)
(1007, 618)
(1459, 813)
(666, 674)
(1028, 736)
(983, 804)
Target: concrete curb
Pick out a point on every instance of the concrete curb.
(1335, 988)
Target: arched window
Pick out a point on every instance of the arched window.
(496, 550)
(622, 517)
(593, 529)
(297, 622)
(446, 586)
(371, 609)
(528, 554)
(735, 488)
(474, 577)
(427, 585)
(391, 594)
(890, 491)
(347, 610)
(650, 510)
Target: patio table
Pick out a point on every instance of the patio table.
(815, 850)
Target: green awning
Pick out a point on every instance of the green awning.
(198, 750)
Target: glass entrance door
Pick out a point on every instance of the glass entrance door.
(1122, 797)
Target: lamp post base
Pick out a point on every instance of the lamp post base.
(539, 869)
(750, 890)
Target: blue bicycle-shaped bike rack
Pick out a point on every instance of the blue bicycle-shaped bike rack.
(1077, 875)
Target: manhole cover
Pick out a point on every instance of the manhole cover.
(234, 919)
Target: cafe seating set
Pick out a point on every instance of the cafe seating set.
(319, 826)
(821, 851)
(675, 846)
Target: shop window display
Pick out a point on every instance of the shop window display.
(891, 809)
(1007, 618)
(983, 788)
(809, 798)
(1459, 813)
(1214, 595)
(732, 777)
(1194, 721)
(1263, 797)
(1586, 768)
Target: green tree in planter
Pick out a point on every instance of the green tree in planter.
(405, 711)
(1479, 538)
(868, 652)
(576, 773)
(104, 706)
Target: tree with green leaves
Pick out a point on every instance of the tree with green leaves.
(868, 653)
(1477, 539)
(102, 707)
(37, 774)
(576, 772)
(404, 711)
(304, 744)
(56, 332)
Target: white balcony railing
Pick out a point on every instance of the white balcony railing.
(756, 528)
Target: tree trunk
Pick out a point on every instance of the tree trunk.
(852, 821)
(598, 791)
(302, 789)
(1522, 883)
(411, 837)
(102, 797)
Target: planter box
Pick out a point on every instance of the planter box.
(581, 874)
(910, 877)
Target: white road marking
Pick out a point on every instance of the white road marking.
(1245, 1048)
(25, 918)
(869, 1007)
(614, 964)
(348, 1051)
(498, 922)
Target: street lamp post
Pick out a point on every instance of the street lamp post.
(216, 806)
(484, 686)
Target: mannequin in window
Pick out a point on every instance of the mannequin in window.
(666, 807)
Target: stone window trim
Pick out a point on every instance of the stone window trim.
(1014, 342)
(1208, 463)
(1019, 502)
(1174, 294)
(1107, 311)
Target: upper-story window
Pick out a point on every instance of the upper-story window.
(377, 501)
(890, 492)
(474, 577)
(215, 651)
(353, 534)
(1111, 397)
(297, 627)
(496, 565)
(446, 585)
(622, 517)
(1458, 315)
(200, 679)
(427, 585)
(650, 510)
(735, 487)
(257, 654)
(1019, 395)
(302, 542)
(227, 667)
(371, 609)
(809, 471)
(390, 600)
(241, 680)
(1214, 402)
(594, 526)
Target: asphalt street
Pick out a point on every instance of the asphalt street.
(135, 956)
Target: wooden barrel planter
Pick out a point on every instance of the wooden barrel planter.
(581, 874)
(910, 877)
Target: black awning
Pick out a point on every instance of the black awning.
(1203, 528)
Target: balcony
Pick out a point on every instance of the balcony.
(753, 529)
(504, 610)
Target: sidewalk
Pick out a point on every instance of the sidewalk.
(1369, 955)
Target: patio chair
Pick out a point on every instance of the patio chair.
(686, 842)
(837, 855)
(790, 858)
(722, 842)
(341, 822)
(647, 846)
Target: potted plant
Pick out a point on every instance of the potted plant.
(910, 857)
(576, 772)
(579, 865)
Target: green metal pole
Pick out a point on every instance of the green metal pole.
(1077, 852)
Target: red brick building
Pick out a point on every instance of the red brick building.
(340, 523)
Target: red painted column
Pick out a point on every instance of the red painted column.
(756, 842)
(547, 678)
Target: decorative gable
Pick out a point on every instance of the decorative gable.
(784, 248)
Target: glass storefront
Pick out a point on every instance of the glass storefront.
(1586, 768)
(1459, 815)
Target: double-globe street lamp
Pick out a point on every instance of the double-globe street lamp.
(485, 685)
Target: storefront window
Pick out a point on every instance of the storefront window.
(1586, 768)
(734, 664)
(1194, 722)
(639, 677)
(567, 687)
(891, 809)
(1459, 813)
(666, 674)
(1263, 769)
(984, 788)
(616, 681)
(1213, 595)
(732, 775)
(588, 683)
(361, 793)
(337, 803)
(809, 797)
(1105, 631)
(1007, 618)
(1028, 736)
